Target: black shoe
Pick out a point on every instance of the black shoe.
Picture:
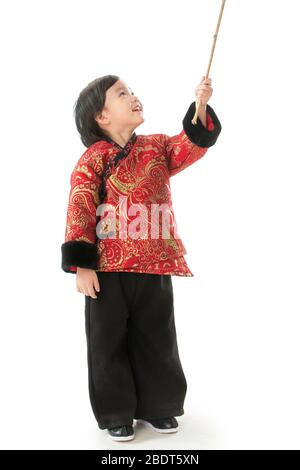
(163, 425)
(121, 433)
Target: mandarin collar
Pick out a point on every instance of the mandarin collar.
(130, 142)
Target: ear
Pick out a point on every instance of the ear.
(101, 117)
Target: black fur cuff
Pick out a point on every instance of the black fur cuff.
(199, 134)
(78, 253)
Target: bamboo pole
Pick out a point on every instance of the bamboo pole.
(194, 120)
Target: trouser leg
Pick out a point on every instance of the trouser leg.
(153, 351)
(111, 385)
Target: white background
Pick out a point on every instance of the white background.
(237, 211)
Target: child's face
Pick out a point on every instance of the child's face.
(118, 113)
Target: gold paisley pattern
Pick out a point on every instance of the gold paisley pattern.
(142, 177)
(84, 197)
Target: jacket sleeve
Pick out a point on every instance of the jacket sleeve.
(192, 142)
(80, 244)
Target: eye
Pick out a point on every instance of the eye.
(125, 93)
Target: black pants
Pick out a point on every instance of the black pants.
(134, 369)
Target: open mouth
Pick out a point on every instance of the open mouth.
(137, 109)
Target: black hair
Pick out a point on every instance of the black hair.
(89, 103)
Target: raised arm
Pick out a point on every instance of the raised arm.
(192, 142)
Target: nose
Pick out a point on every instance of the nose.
(135, 103)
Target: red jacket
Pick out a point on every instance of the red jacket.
(130, 235)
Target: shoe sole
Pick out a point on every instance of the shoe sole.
(121, 438)
(160, 430)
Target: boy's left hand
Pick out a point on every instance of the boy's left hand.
(203, 91)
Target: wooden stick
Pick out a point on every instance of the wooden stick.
(194, 120)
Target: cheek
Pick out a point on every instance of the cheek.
(120, 109)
